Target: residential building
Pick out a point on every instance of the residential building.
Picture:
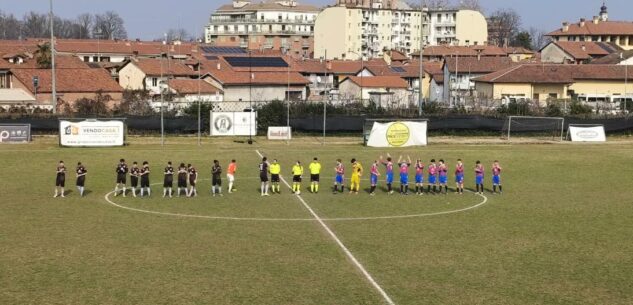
(352, 30)
(276, 81)
(279, 25)
(576, 52)
(152, 74)
(459, 73)
(320, 77)
(382, 91)
(542, 82)
(438, 53)
(597, 29)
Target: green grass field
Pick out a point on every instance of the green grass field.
(560, 234)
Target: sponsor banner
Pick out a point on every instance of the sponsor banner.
(91, 133)
(233, 123)
(17, 133)
(398, 134)
(587, 134)
(279, 133)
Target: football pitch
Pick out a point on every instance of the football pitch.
(560, 234)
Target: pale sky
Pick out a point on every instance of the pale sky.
(148, 19)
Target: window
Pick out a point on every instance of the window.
(86, 58)
(154, 82)
(95, 59)
(631, 40)
(553, 95)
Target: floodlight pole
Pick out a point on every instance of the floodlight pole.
(420, 86)
(162, 100)
(199, 106)
(250, 98)
(325, 92)
(53, 76)
(288, 108)
(626, 83)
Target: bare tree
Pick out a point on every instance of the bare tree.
(504, 25)
(470, 5)
(539, 39)
(110, 26)
(35, 25)
(177, 34)
(85, 23)
(431, 4)
(10, 26)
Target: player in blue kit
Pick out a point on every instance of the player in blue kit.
(459, 177)
(443, 176)
(373, 178)
(419, 177)
(404, 175)
(339, 180)
(388, 173)
(432, 170)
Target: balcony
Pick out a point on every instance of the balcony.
(445, 35)
(305, 45)
(220, 21)
(445, 23)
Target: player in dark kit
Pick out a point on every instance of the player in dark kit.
(216, 178)
(182, 179)
(60, 179)
(145, 179)
(263, 176)
(81, 178)
(168, 181)
(121, 175)
(135, 174)
(193, 180)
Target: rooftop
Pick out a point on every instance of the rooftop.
(379, 82)
(69, 80)
(554, 74)
(589, 27)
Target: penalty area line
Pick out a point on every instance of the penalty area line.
(347, 252)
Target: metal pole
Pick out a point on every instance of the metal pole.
(288, 108)
(162, 100)
(626, 83)
(362, 68)
(250, 98)
(325, 92)
(421, 85)
(199, 107)
(53, 76)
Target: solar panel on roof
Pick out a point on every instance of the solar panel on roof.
(223, 50)
(398, 69)
(211, 57)
(275, 62)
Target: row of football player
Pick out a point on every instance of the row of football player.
(185, 173)
(437, 176)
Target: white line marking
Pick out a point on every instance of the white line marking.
(341, 245)
(107, 198)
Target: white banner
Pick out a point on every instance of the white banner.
(233, 123)
(279, 133)
(90, 133)
(587, 134)
(398, 134)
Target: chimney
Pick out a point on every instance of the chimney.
(582, 22)
(565, 27)
(328, 65)
(584, 48)
(219, 66)
(596, 19)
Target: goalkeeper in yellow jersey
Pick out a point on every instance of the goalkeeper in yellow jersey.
(357, 172)
(297, 172)
(275, 170)
(315, 171)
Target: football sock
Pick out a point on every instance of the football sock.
(164, 192)
(417, 188)
(142, 192)
(401, 188)
(406, 189)
(389, 187)
(500, 188)
(434, 189)
(316, 187)
(446, 189)
(494, 188)
(428, 188)
(149, 191)
(342, 188)
(372, 189)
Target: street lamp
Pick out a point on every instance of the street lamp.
(421, 83)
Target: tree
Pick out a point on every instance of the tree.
(522, 39)
(539, 39)
(84, 25)
(35, 25)
(96, 106)
(43, 56)
(135, 102)
(470, 5)
(10, 26)
(505, 24)
(110, 26)
(177, 34)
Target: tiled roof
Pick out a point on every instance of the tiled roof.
(379, 82)
(190, 86)
(585, 49)
(124, 47)
(229, 77)
(61, 62)
(68, 80)
(155, 67)
(445, 51)
(554, 74)
(353, 66)
(602, 28)
(398, 56)
(315, 66)
(613, 58)
(477, 65)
